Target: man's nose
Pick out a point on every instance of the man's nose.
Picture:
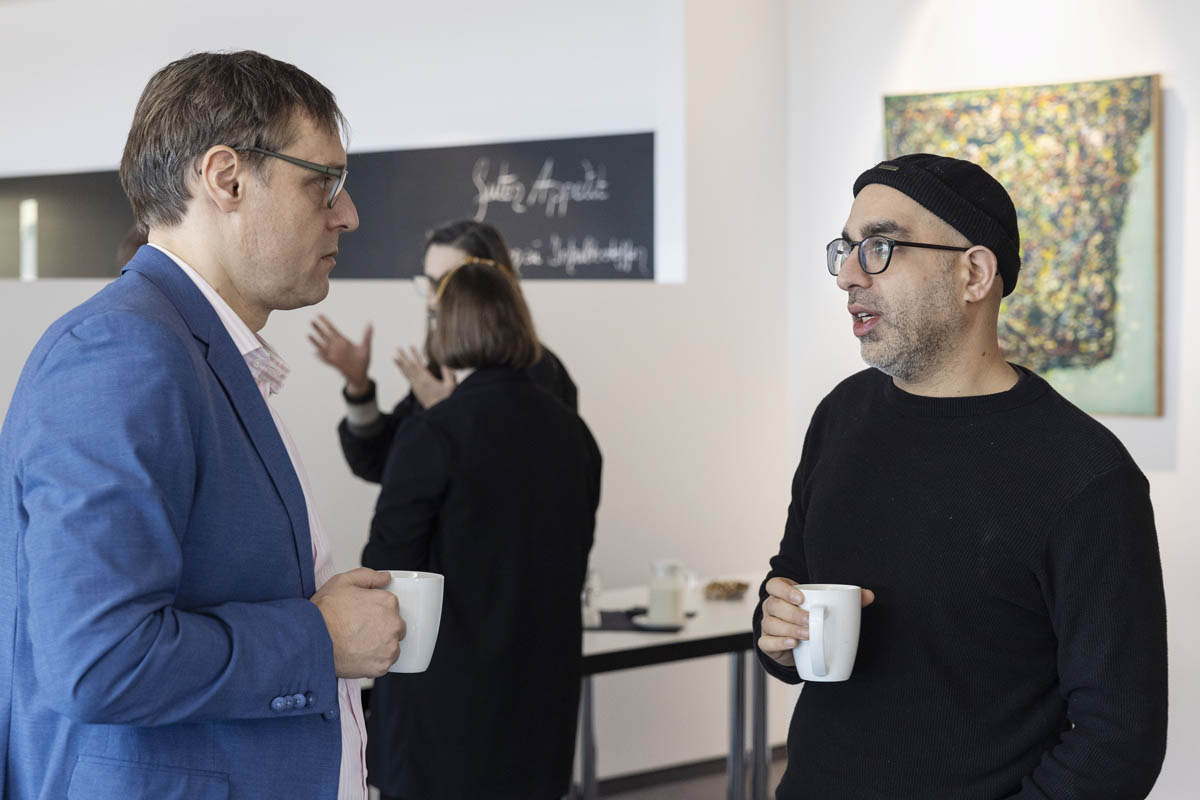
(345, 213)
(851, 274)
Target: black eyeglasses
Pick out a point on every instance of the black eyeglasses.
(874, 252)
(338, 173)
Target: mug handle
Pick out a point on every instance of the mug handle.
(816, 641)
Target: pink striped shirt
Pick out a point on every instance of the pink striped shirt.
(269, 371)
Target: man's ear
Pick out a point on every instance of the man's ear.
(221, 175)
(982, 273)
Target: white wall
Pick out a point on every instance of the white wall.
(683, 385)
(843, 58)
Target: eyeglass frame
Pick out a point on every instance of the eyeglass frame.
(334, 172)
(892, 244)
(430, 289)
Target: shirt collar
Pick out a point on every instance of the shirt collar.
(267, 366)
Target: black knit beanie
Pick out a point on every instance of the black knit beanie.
(964, 196)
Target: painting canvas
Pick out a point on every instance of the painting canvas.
(1082, 162)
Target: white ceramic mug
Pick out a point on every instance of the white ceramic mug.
(834, 612)
(420, 596)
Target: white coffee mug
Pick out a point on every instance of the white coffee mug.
(834, 612)
(420, 596)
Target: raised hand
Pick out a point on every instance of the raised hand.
(429, 389)
(345, 356)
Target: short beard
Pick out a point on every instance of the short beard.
(919, 340)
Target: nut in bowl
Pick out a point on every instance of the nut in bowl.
(725, 590)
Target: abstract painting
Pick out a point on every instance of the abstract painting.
(1083, 164)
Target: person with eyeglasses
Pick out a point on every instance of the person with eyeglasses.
(1013, 643)
(366, 433)
(172, 624)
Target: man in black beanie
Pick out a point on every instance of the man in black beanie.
(1015, 640)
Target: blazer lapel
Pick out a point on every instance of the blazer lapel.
(231, 370)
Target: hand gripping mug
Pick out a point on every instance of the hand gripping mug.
(834, 612)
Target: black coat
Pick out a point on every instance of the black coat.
(367, 451)
(496, 488)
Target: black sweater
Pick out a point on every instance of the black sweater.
(495, 487)
(366, 450)
(1017, 645)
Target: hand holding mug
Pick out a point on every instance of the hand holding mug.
(363, 620)
(785, 623)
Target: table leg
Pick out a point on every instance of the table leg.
(737, 726)
(760, 752)
(588, 745)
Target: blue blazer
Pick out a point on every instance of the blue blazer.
(156, 637)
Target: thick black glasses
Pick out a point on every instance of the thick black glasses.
(874, 252)
(337, 173)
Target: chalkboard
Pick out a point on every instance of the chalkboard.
(580, 208)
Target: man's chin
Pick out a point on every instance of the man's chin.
(309, 298)
(880, 361)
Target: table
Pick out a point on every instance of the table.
(721, 626)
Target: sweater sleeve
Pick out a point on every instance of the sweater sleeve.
(790, 561)
(1104, 590)
(366, 448)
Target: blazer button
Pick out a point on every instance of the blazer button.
(299, 700)
(331, 714)
(279, 704)
(309, 700)
(289, 702)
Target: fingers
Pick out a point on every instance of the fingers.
(776, 644)
(785, 589)
(780, 618)
(406, 366)
(330, 328)
(321, 353)
(411, 364)
(320, 330)
(366, 578)
(783, 634)
(367, 334)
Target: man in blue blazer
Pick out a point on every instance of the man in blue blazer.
(169, 623)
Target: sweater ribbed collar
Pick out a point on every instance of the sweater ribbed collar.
(1028, 388)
